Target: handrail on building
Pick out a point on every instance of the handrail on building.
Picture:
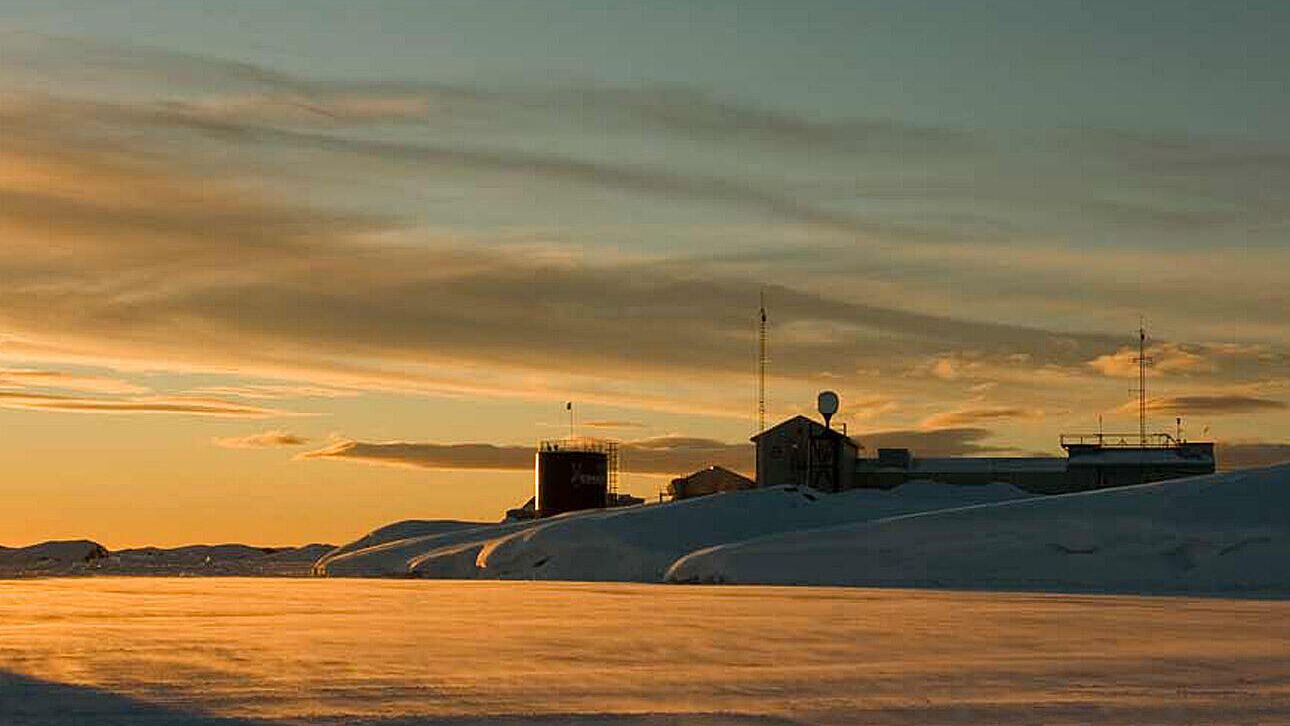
(1121, 441)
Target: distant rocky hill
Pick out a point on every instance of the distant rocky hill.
(50, 558)
(85, 557)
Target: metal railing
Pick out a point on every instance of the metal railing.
(1121, 441)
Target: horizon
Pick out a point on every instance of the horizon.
(267, 270)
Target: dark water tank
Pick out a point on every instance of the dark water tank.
(571, 480)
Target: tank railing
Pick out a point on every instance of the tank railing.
(1120, 441)
(578, 443)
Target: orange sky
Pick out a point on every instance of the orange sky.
(226, 272)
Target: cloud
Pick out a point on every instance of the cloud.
(659, 455)
(180, 264)
(613, 424)
(1207, 405)
(275, 391)
(151, 405)
(984, 370)
(337, 108)
(61, 380)
(968, 416)
(240, 91)
(274, 438)
(485, 457)
(866, 408)
(1250, 454)
(948, 368)
(631, 178)
(662, 455)
(683, 454)
(959, 441)
(165, 228)
(431, 158)
(1164, 358)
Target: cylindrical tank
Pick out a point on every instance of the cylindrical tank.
(570, 480)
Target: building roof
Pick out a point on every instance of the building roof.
(714, 469)
(816, 428)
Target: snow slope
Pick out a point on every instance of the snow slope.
(393, 550)
(1226, 533)
(632, 543)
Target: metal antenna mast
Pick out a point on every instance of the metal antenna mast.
(761, 366)
(1143, 361)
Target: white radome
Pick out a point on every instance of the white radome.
(827, 403)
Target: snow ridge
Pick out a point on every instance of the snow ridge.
(1220, 534)
(631, 544)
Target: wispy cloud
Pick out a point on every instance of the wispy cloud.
(979, 414)
(62, 380)
(148, 405)
(484, 457)
(155, 228)
(1214, 405)
(1163, 359)
(660, 455)
(218, 88)
(196, 271)
(957, 441)
(276, 391)
(275, 438)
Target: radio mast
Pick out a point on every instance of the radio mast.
(1143, 361)
(761, 366)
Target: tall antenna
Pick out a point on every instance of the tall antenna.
(761, 366)
(1143, 361)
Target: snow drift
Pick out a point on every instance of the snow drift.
(398, 549)
(1226, 533)
(635, 544)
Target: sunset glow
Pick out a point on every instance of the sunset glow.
(285, 272)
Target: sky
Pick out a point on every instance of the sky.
(282, 272)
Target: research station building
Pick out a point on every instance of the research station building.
(802, 452)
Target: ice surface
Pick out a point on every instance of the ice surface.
(341, 651)
(1227, 533)
(631, 544)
